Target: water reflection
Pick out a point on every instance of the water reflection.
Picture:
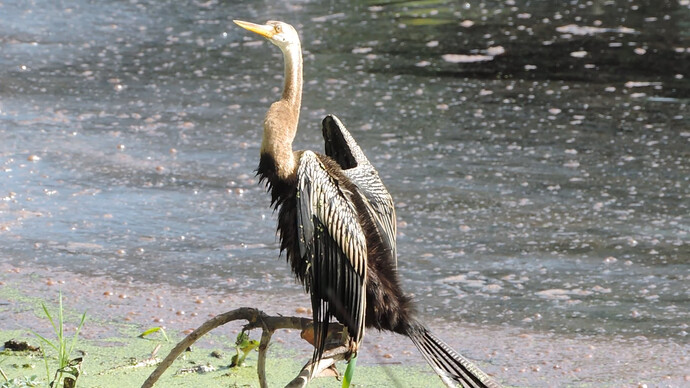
(538, 153)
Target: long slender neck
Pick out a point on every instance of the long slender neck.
(280, 125)
(292, 87)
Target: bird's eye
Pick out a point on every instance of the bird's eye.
(278, 28)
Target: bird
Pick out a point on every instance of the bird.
(336, 223)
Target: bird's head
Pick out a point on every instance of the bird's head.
(280, 34)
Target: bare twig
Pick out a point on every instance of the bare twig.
(261, 364)
(4, 376)
(256, 319)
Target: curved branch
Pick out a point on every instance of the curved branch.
(261, 364)
(256, 319)
(245, 313)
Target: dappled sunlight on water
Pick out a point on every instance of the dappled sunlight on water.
(537, 153)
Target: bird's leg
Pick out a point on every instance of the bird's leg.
(352, 347)
(337, 335)
(337, 349)
(326, 364)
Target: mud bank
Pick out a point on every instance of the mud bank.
(118, 311)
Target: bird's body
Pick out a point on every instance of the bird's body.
(336, 223)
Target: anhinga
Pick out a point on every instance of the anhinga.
(337, 224)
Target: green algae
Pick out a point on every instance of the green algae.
(123, 359)
(125, 362)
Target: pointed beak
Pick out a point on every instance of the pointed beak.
(262, 29)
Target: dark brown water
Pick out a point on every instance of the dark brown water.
(537, 151)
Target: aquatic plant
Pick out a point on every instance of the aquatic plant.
(349, 372)
(20, 382)
(69, 368)
(155, 330)
(243, 346)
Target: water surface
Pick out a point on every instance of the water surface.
(537, 153)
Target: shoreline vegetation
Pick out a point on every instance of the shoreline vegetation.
(126, 361)
(118, 312)
(118, 353)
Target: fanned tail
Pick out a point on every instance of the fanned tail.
(450, 366)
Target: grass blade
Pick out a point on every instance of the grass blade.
(61, 346)
(154, 330)
(349, 372)
(76, 333)
(45, 340)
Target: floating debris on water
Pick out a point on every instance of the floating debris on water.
(462, 58)
(590, 30)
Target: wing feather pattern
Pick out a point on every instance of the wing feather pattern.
(332, 241)
(342, 147)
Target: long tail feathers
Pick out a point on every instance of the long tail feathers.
(451, 367)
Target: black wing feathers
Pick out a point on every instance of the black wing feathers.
(332, 242)
(342, 147)
(336, 145)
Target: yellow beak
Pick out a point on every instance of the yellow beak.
(262, 29)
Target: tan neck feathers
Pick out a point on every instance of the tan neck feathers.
(280, 125)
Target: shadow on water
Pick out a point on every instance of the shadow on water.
(596, 41)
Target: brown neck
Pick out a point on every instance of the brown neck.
(280, 125)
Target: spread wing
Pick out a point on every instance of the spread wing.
(343, 148)
(332, 242)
